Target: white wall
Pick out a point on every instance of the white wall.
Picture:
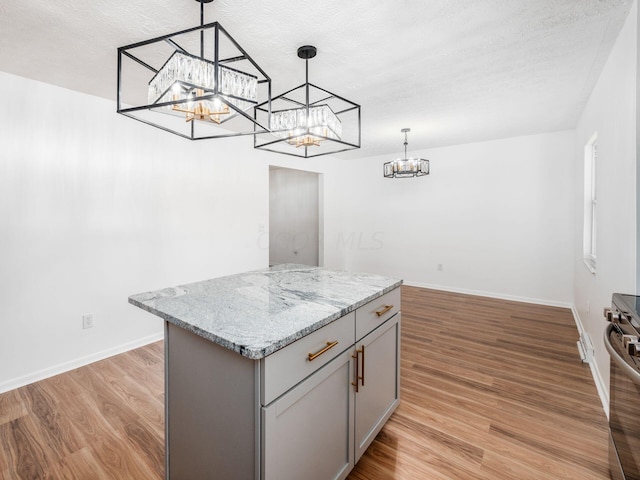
(637, 22)
(611, 112)
(94, 207)
(496, 215)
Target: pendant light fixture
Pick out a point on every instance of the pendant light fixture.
(308, 121)
(406, 167)
(196, 83)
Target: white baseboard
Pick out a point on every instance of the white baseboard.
(79, 362)
(12, 384)
(603, 390)
(500, 296)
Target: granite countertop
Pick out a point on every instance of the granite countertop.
(259, 312)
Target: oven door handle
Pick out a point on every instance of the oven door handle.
(618, 360)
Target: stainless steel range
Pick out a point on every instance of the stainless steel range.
(622, 339)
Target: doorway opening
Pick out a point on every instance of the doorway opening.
(295, 217)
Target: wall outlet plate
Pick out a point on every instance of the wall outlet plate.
(87, 321)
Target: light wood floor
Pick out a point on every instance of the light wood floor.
(491, 390)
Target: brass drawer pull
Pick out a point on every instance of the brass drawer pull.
(330, 345)
(384, 310)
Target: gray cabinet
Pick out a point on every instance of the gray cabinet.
(321, 428)
(308, 432)
(379, 389)
(309, 410)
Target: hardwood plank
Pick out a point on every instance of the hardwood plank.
(119, 459)
(11, 406)
(501, 376)
(28, 454)
(80, 465)
(491, 390)
(55, 428)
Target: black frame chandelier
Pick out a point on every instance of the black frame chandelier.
(308, 121)
(197, 83)
(406, 167)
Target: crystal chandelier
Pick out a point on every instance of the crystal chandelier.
(308, 121)
(406, 167)
(184, 83)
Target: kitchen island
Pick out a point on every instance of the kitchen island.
(287, 372)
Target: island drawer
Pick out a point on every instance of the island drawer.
(287, 367)
(376, 312)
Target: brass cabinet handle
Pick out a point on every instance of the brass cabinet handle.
(330, 345)
(384, 310)
(362, 377)
(358, 376)
(356, 356)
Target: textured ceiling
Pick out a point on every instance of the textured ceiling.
(454, 71)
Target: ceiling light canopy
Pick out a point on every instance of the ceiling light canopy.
(196, 83)
(406, 167)
(308, 121)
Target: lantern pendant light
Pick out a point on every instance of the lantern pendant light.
(406, 167)
(308, 121)
(196, 83)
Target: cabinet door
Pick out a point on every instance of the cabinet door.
(308, 432)
(379, 391)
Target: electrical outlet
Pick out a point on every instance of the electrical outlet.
(87, 321)
(440, 267)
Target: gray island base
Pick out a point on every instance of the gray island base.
(283, 373)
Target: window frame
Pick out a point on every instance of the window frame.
(589, 243)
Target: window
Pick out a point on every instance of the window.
(590, 203)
